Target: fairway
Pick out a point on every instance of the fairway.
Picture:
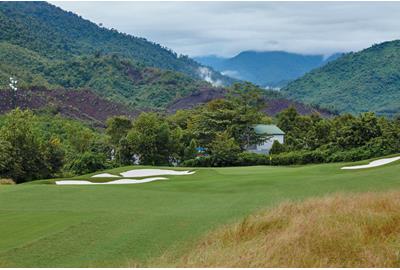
(45, 225)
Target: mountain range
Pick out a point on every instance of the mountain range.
(47, 48)
(266, 68)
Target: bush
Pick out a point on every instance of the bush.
(249, 159)
(205, 161)
(88, 162)
(7, 181)
(299, 157)
(277, 148)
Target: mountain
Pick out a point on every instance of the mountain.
(267, 69)
(43, 45)
(368, 80)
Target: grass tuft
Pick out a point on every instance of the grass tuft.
(7, 181)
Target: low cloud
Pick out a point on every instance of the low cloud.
(206, 74)
(226, 28)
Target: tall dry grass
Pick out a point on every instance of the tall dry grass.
(7, 181)
(337, 231)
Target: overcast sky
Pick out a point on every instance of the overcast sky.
(226, 28)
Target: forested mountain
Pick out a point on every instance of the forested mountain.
(42, 45)
(269, 68)
(368, 80)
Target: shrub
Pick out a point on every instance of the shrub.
(277, 148)
(299, 157)
(350, 155)
(249, 159)
(88, 162)
(205, 161)
(7, 181)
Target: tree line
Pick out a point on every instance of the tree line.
(34, 146)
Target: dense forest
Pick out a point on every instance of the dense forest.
(111, 76)
(56, 34)
(368, 80)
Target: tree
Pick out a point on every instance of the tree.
(190, 151)
(5, 156)
(224, 150)
(277, 148)
(247, 101)
(54, 155)
(237, 115)
(124, 153)
(117, 128)
(27, 159)
(287, 119)
(88, 162)
(151, 139)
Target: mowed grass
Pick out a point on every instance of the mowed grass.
(43, 225)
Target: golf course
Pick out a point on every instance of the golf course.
(48, 225)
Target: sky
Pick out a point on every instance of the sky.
(227, 28)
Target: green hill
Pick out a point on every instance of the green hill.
(368, 80)
(42, 45)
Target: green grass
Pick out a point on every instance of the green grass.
(117, 225)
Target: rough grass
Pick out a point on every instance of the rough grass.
(335, 231)
(7, 181)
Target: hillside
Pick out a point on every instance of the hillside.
(368, 80)
(83, 104)
(111, 76)
(57, 34)
(269, 68)
(274, 102)
(42, 45)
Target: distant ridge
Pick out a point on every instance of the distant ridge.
(267, 68)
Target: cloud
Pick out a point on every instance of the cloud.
(206, 75)
(226, 28)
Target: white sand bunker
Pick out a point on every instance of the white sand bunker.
(372, 164)
(153, 172)
(115, 182)
(104, 175)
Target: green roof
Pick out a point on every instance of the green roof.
(268, 129)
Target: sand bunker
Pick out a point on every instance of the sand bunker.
(104, 175)
(372, 164)
(115, 182)
(153, 172)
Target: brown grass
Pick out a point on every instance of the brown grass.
(336, 231)
(7, 181)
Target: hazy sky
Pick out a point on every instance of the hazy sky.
(226, 28)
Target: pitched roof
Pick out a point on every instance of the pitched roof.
(268, 129)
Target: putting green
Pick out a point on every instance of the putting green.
(44, 225)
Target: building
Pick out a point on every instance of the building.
(274, 134)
